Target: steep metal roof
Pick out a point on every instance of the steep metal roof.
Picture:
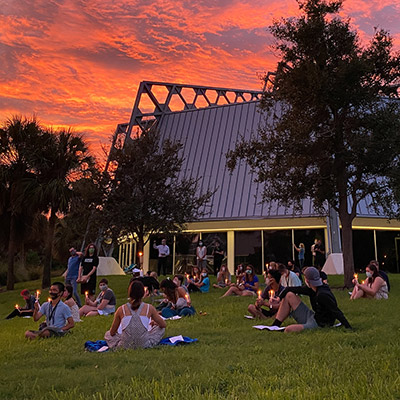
(207, 134)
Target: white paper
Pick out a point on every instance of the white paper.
(104, 348)
(249, 316)
(336, 325)
(174, 339)
(270, 328)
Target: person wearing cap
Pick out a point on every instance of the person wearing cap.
(324, 306)
(27, 309)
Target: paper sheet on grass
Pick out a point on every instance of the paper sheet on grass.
(249, 316)
(270, 328)
(175, 339)
(171, 318)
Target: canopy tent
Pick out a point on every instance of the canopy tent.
(109, 266)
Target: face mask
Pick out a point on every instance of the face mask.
(91, 251)
(369, 274)
(53, 295)
(204, 274)
(103, 287)
(200, 243)
(249, 271)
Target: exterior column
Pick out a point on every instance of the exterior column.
(230, 251)
(146, 257)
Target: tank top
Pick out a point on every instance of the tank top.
(145, 320)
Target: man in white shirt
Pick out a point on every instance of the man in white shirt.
(163, 253)
(288, 278)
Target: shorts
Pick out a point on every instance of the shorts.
(54, 332)
(107, 310)
(268, 313)
(304, 316)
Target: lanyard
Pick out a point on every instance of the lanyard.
(53, 310)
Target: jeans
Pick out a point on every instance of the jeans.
(72, 281)
(183, 312)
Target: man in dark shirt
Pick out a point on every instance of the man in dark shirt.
(322, 300)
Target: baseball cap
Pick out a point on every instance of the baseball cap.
(313, 276)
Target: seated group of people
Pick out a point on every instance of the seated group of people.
(138, 324)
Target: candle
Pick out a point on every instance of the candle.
(363, 282)
(259, 294)
(37, 295)
(226, 281)
(49, 299)
(271, 294)
(356, 276)
(146, 291)
(17, 306)
(86, 294)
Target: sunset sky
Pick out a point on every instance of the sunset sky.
(78, 63)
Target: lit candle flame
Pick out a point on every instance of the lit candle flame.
(49, 299)
(259, 294)
(271, 294)
(17, 306)
(86, 294)
(37, 294)
(355, 276)
(363, 282)
(226, 281)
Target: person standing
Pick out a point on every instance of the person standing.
(302, 251)
(201, 255)
(72, 272)
(163, 253)
(88, 271)
(218, 253)
(319, 254)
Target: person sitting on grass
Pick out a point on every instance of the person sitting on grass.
(223, 278)
(239, 273)
(178, 280)
(248, 286)
(382, 274)
(104, 303)
(203, 285)
(27, 309)
(70, 302)
(288, 278)
(136, 324)
(256, 310)
(178, 301)
(58, 315)
(322, 300)
(374, 286)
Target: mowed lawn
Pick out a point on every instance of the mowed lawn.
(231, 360)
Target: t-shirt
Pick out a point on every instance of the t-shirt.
(73, 267)
(218, 256)
(252, 283)
(30, 303)
(265, 293)
(107, 295)
(57, 316)
(206, 287)
(88, 263)
(291, 280)
(301, 253)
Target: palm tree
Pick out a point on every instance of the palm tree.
(19, 142)
(65, 158)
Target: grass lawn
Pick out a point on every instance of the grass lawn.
(231, 360)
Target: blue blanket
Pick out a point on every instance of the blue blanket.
(186, 340)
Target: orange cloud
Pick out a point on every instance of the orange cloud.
(79, 64)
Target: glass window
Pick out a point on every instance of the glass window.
(248, 249)
(386, 242)
(363, 248)
(307, 236)
(185, 252)
(278, 246)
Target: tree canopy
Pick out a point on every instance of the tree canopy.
(146, 194)
(332, 130)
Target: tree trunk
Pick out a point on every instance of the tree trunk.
(348, 258)
(46, 280)
(11, 254)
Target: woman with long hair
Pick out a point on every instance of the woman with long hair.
(178, 299)
(223, 278)
(70, 302)
(136, 324)
(88, 271)
(247, 286)
(374, 286)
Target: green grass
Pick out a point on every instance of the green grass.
(231, 360)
